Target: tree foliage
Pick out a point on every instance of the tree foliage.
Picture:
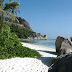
(12, 7)
(4, 13)
(1, 4)
(10, 46)
(20, 31)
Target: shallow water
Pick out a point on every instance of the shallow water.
(49, 43)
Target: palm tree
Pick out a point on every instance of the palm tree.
(4, 13)
(1, 4)
(12, 7)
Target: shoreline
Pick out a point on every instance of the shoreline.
(45, 46)
(37, 45)
(29, 41)
(28, 64)
(43, 50)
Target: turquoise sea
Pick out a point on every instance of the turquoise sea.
(48, 43)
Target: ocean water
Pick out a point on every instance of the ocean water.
(48, 43)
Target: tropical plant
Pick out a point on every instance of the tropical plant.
(1, 4)
(10, 46)
(12, 7)
(4, 13)
(1, 13)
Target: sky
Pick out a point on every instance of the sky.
(50, 17)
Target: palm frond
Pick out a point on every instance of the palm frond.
(10, 15)
(1, 4)
(18, 7)
(11, 5)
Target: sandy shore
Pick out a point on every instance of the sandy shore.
(29, 64)
(44, 51)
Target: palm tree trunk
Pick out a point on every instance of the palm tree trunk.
(1, 21)
(13, 11)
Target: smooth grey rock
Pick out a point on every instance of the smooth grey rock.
(66, 47)
(63, 64)
(58, 43)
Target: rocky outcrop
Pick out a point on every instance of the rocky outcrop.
(63, 64)
(66, 47)
(24, 23)
(32, 35)
(37, 36)
(63, 46)
(58, 43)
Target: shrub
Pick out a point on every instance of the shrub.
(10, 46)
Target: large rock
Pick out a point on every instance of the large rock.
(45, 37)
(63, 64)
(66, 47)
(58, 43)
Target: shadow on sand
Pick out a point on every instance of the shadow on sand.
(51, 52)
(47, 60)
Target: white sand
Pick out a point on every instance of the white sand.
(29, 64)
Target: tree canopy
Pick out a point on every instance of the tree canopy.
(4, 13)
(12, 7)
(1, 4)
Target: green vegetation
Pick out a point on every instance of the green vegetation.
(10, 46)
(11, 20)
(1, 4)
(20, 30)
(4, 13)
(12, 7)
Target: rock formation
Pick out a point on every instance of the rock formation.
(24, 22)
(37, 36)
(66, 47)
(63, 46)
(58, 43)
(63, 64)
(32, 35)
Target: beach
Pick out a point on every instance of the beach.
(29, 64)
